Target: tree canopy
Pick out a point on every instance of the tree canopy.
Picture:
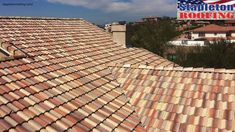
(153, 36)
(220, 54)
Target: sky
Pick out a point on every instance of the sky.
(96, 11)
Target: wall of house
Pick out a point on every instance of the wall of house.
(233, 34)
(187, 43)
(194, 36)
(215, 35)
(209, 35)
(192, 42)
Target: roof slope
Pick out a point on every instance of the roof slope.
(61, 84)
(43, 36)
(214, 28)
(180, 99)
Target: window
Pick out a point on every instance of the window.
(172, 57)
(201, 34)
(228, 34)
(184, 42)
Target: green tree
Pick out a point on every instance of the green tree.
(220, 54)
(153, 36)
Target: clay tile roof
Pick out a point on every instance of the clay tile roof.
(63, 83)
(210, 28)
(180, 99)
(214, 28)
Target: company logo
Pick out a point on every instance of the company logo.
(206, 9)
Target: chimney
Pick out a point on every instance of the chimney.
(119, 34)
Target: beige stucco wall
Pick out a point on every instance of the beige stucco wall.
(209, 35)
(194, 36)
(213, 35)
(120, 38)
(119, 34)
(233, 34)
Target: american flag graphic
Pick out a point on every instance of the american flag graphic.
(227, 2)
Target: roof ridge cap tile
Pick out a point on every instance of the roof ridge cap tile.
(168, 68)
(141, 66)
(221, 70)
(159, 68)
(150, 67)
(186, 69)
(201, 69)
(126, 65)
(179, 68)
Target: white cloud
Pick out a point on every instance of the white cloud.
(130, 7)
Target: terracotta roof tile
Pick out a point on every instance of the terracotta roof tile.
(214, 28)
(180, 99)
(62, 84)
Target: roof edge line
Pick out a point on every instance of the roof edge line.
(185, 69)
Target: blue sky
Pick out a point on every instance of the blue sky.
(96, 11)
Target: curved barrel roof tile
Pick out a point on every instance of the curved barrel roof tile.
(61, 84)
(180, 99)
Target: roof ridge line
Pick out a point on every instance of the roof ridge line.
(186, 69)
(38, 18)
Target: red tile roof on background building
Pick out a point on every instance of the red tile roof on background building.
(229, 21)
(180, 99)
(214, 28)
